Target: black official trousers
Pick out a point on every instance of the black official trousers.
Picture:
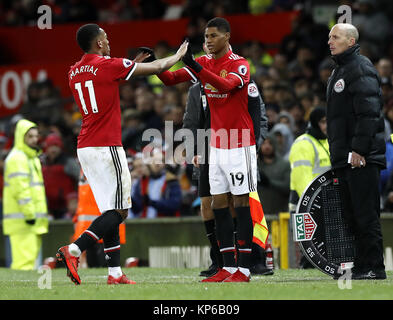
(203, 181)
(359, 189)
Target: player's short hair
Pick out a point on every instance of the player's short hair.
(220, 23)
(86, 34)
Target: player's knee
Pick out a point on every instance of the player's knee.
(123, 213)
(206, 208)
(220, 201)
(241, 200)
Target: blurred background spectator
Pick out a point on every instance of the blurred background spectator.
(157, 191)
(61, 175)
(273, 177)
(44, 104)
(284, 138)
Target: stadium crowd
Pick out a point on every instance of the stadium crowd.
(292, 80)
(24, 12)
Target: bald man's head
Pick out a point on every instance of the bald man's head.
(341, 37)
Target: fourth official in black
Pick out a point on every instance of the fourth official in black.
(355, 130)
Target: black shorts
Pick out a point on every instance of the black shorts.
(203, 182)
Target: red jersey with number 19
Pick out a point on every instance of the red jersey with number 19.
(225, 81)
(229, 108)
(94, 82)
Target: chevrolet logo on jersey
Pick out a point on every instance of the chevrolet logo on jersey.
(212, 92)
(209, 87)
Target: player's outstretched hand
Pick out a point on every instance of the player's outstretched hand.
(182, 49)
(189, 61)
(145, 54)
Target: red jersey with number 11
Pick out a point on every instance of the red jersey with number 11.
(94, 82)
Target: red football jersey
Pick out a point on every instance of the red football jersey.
(94, 82)
(229, 109)
(225, 81)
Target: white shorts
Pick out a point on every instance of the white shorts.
(107, 173)
(233, 170)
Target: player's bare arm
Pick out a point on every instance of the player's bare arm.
(161, 65)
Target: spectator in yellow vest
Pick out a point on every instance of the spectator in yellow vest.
(309, 155)
(25, 213)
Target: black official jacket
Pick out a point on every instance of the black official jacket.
(354, 110)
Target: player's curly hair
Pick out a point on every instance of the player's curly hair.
(86, 34)
(220, 23)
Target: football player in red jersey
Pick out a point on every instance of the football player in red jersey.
(94, 82)
(232, 160)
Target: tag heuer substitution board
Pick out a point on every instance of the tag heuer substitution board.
(320, 228)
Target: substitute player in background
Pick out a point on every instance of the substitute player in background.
(94, 82)
(232, 162)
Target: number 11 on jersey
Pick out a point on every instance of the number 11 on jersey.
(93, 102)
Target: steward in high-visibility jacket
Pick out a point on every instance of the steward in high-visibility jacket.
(25, 213)
(87, 211)
(309, 156)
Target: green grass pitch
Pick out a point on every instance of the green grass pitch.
(184, 284)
